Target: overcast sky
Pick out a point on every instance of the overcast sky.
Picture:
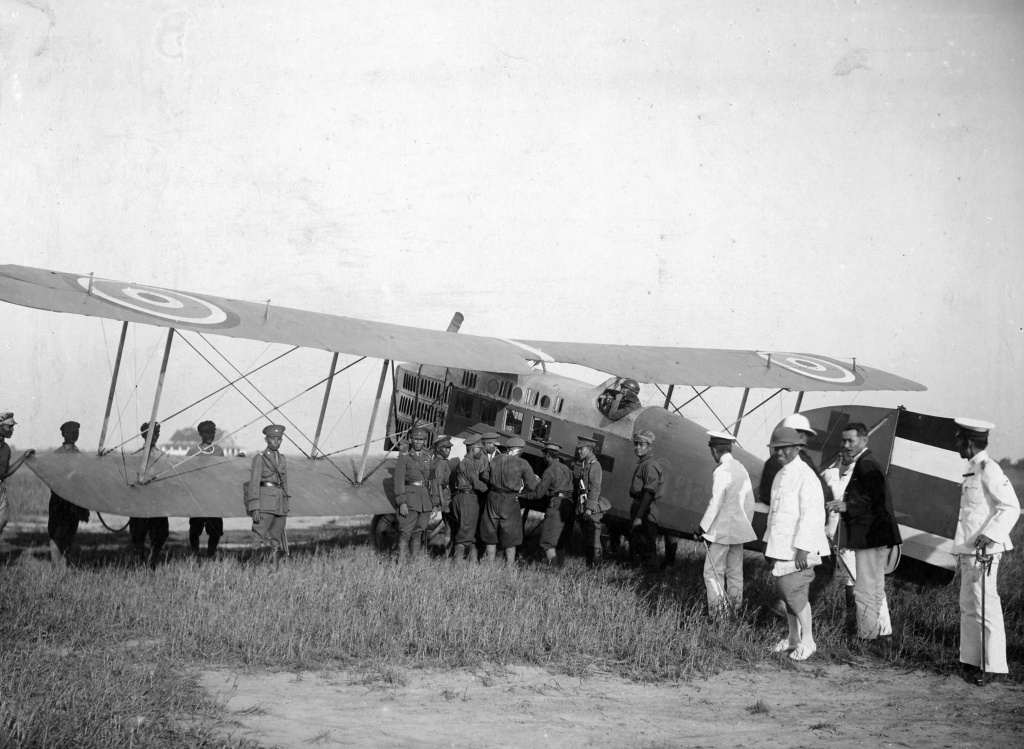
(837, 178)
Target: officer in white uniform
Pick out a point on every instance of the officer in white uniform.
(726, 523)
(988, 511)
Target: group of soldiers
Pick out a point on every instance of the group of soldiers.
(479, 496)
(266, 496)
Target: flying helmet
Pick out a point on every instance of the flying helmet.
(631, 385)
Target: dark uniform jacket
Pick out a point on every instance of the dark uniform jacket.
(509, 474)
(467, 475)
(442, 473)
(623, 407)
(556, 484)
(268, 467)
(587, 479)
(869, 521)
(412, 480)
(648, 479)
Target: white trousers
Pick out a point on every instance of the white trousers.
(723, 570)
(970, 616)
(869, 591)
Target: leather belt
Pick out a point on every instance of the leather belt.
(414, 483)
(269, 483)
(562, 495)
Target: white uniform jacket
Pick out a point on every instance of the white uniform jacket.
(988, 505)
(727, 519)
(796, 520)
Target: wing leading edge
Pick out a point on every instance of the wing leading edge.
(118, 300)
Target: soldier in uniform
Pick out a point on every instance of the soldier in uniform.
(626, 402)
(412, 493)
(7, 470)
(726, 523)
(489, 441)
(647, 487)
(268, 498)
(442, 472)
(556, 487)
(155, 529)
(989, 509)
(214, 527)
(590, 504)
(465, 508)
(507, 475)
(64, 515)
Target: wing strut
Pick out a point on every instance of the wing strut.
(668, 396)
(323, 408)
(373, 418)
(113, 387)
(800, 395)
(156, 404)
(739, 416)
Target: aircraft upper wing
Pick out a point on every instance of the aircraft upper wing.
(151, 305)
(724, 367)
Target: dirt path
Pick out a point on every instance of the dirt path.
(807, 706)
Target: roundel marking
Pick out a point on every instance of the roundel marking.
(162, 303)
(811, 366)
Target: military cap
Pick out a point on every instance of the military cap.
(471, 440)
(552, 447)
(974, 427)
(644, 435)
(516, 442)
(204, 425)
(444, 440)
(586, 442)
(490, 436)
(720, 438)
(68, 425)
(785, 437)
(418, 432)
(7, 418)
(274, 430)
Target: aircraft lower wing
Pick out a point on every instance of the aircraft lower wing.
(205, 486)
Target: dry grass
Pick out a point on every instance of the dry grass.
(102, 655)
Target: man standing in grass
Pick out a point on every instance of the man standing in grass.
(155, 529)
(268, 500)
(465, 510)
(587, 476)
(989, 509)
(7, 470)
(556, 487)
(442, 469)
(795, 540)
(214, 527)
(412, 493)
(502, 521)
(64, 516)
(869, 527)
(646, 489)
(727, 523)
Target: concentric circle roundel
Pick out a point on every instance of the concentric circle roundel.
(811, 366)
(162, 303)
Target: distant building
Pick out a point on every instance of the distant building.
(183, 439)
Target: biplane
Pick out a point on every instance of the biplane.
(454, 383)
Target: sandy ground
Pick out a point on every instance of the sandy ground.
(806, 706)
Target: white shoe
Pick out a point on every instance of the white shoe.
(783, 646)
(803, 652)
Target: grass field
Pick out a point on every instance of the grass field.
(105, 654)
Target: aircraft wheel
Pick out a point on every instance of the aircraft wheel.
(384, 532)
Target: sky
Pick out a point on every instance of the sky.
(836, 178)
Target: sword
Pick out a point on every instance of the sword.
(984, 561)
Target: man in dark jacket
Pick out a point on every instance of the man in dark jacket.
(868, 527)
